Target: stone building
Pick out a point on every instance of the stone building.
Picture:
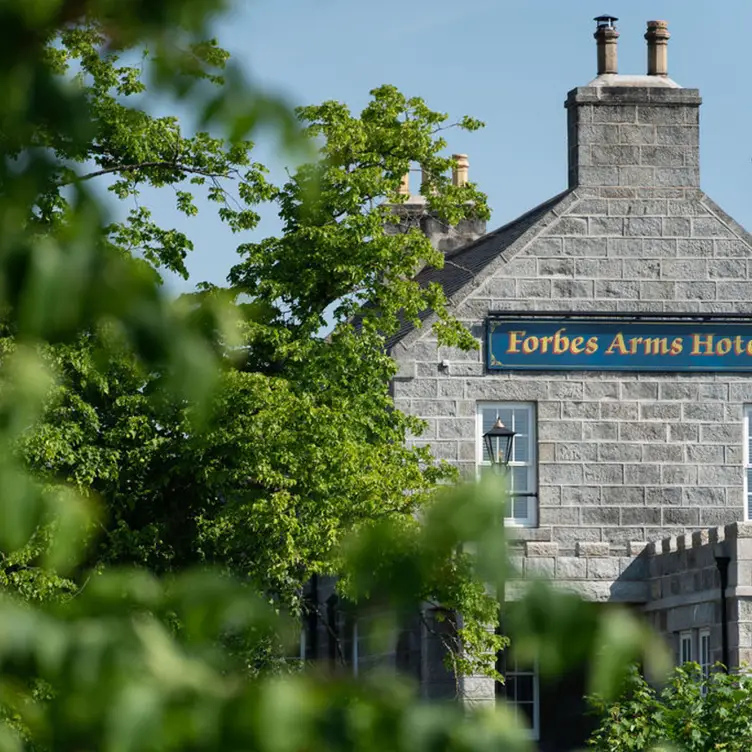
(615, 329)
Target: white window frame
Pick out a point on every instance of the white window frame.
(535, 727)
(686, 647)
(747, 462)
(532, 501)
(704, 652)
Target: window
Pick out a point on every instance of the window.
(705, 662)
(685, 647)
(520, 417)
(748, 462)
(522, 692)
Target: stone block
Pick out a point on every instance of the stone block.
(709, 227)
(679, 391)
(606, 568)
(597, 473)
(729, 268)
(660, 411)
(718, 515)
(640, 515)
(638, 269)
(571, 568)
(581, 410)
(642, 227)
(619, 452)
(580, 495)
(569, 537)
(456, 428)
(637, 176)
(644, 432)
(652, 290)
(703, 496)
(677, 176)
(635, 548)
(606, 226)
(694, 248)
(729, 248)
(586, 247)
(540, 567)
(600, 431)
(534, 288)
(679, 475)
(662, 156)
(623, 495)
(572, 288)
(591, 549)
(598, 515)
(659, 247)
(642, 474)
(556, 267)
(621, 410)
(617, 289)
(558, 515)
(684, 269)
(680, 516)
(538, 548)
(576, 452)
(636, 134)
(662, 453)
(720, 475)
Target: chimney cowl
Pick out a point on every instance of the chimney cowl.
(606, 36)
(460, 170)
(657, 37)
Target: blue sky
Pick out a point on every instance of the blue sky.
(508, 63)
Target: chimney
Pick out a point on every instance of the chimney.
(404, 186)
(606, 36)
(657, 36)
(460, 169)
(633, 131)
(413, 213)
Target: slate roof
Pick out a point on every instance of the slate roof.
(463, 265)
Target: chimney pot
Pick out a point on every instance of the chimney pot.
(404, 186)
(657, 37)
(606, 36)
(460, 169)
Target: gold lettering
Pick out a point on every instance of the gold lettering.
(676, 346)
(724, 346)
(545, 342)
(705, 341)
(619, 344)
(577, 345)
(514, 346)
(561, 343)
(655, 345)
(529, 345)
(591, 346)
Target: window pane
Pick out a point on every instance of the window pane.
(521, 421)
(520, 507)
(521, 449)
(520, 478)
(525, 688)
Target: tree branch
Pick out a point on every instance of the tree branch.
(181, 167)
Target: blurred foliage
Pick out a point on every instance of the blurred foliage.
(691, 712)
(172, 472)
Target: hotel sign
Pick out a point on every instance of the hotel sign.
(562, 344)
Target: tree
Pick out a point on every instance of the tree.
(301, 442)
(692, 712)
(101, 373)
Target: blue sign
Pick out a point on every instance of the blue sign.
(627, 345)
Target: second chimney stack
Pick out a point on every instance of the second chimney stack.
(657, 36)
